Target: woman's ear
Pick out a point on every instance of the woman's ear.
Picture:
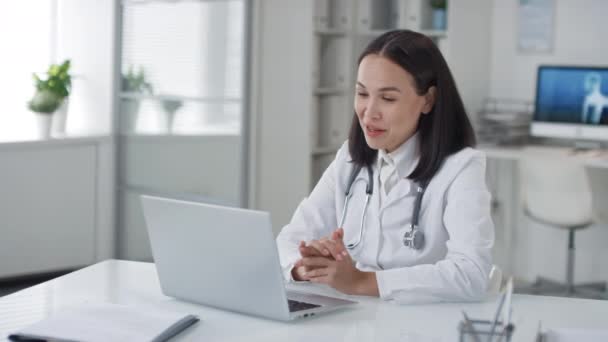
(429, 100)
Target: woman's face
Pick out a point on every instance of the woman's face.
(387, 104)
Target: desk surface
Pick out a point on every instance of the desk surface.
(591, 158)
(136, 283)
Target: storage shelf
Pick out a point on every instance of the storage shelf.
(341, 30)
(331, 32)
(323, 150)
(330, 91)
(429, 33)
(435, 33)
(372, 33)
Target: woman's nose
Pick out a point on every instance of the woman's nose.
(372, 111)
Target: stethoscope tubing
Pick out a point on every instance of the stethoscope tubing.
(368, 193)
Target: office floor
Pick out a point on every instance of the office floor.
(9, 286)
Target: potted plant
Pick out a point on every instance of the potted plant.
(439, 14)
(50, 101)
(134, 83)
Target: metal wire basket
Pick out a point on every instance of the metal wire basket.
(504, 121)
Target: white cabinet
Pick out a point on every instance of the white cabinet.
(201, 168)
(53, 206)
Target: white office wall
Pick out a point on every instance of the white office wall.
(85, 34)
(280, 170)
(579, 38)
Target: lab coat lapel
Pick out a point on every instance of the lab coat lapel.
(399, 191)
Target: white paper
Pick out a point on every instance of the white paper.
(575, 335)
(536, 25)
(102, 322)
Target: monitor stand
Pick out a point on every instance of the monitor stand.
(586, 145)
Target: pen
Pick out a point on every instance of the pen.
(498, 311)
(506, 318)
(539, 334)
(506, 314)
(469, 324)
(21, 338)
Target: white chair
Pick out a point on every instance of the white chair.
(557, 193)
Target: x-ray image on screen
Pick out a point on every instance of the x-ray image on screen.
(572, 95)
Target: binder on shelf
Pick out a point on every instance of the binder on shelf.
(408, 13)
(339, 12)
(364, 15)
(333, 121)
(322, 15)
(333, 62)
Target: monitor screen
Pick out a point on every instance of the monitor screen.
(571, 102)
(572, 95)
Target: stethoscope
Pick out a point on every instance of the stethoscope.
(413, 238)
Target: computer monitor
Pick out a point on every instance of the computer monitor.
(571, 102)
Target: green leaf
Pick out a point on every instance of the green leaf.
(45, 101)
(58, 81)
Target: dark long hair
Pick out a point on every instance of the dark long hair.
(446, 129)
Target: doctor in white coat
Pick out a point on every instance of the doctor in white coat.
(411, 139)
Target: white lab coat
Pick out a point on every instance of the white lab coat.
(455, 261)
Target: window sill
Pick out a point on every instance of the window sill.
(54, 141)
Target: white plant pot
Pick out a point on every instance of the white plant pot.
(60, 119)
(43, 122)
(129, 112)
(169, 122)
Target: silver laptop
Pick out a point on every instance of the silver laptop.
(224, 257)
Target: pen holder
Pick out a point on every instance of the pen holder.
(480, 330)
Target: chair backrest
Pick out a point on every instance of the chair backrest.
(556, 190)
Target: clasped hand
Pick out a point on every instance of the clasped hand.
(328, 262)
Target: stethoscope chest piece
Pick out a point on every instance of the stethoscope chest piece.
(414, 239)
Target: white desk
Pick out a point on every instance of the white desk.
(591, 158)
(509, 219)
(135, 283)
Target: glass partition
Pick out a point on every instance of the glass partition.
(181, 105)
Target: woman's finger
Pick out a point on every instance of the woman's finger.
(316, 244)
(317, 272)
(338, 234)
(337, 237)
(306, 251)
(315, 262)
(335, 249)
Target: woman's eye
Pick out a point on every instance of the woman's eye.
(361, 94)
(388, 99)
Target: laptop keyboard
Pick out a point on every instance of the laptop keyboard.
(294, 305)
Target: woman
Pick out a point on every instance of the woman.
(411, 131)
